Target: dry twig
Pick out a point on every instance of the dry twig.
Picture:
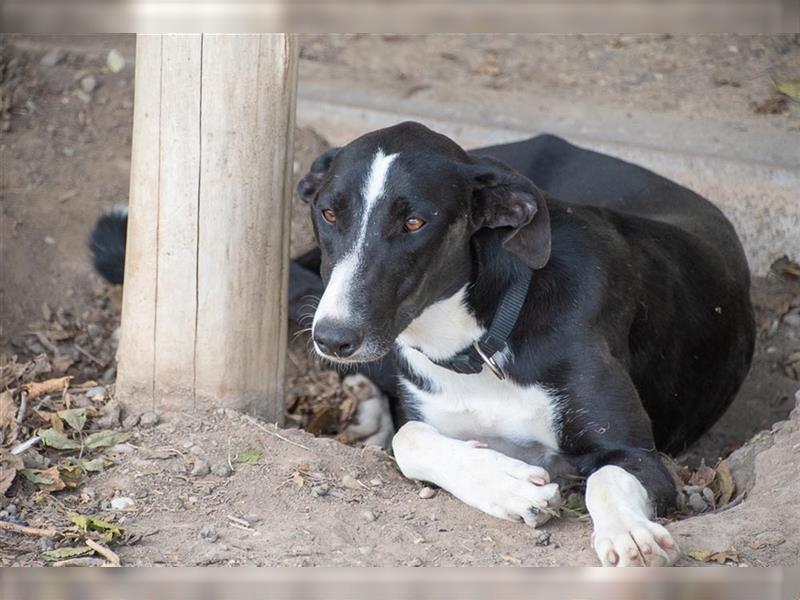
(103, 551)
(252, 421)
(25, 530)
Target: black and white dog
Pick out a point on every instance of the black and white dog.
(582, 323)
(594, 318)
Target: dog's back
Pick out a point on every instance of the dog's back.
(694, 284)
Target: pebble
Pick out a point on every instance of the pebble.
(375, 482)
(53, 57)
(11, 509)
(69, 152)
(414, 562)
(320, 490)
(122, 449)
(49, 240)
(130, 421)
(209, 533)
(351, 483)
(368, 516)
(200, 468)
(97, 392)
(792, 319)
(83, 96)
(148, 419)
(427, 492)
(196, 450)
(115, 61)
(364, 550)
(543, 538)
(88, 84)
(696, 503)
(251, 518)
(221, 470)
(44, 544)
(122, 503)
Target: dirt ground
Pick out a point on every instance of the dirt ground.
(296, 500)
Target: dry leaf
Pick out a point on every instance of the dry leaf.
(102, 439)
(8, 418)
(297, 478)
(704, 475)
(48, 480)
(74, 417)
(51, 386)
(727, 486)
(9, 466)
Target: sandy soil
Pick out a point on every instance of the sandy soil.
(65, 156)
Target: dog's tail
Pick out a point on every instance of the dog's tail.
(107, 244)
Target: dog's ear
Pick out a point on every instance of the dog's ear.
(309, 184)
(501, 197)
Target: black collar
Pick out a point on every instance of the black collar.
(482, 351)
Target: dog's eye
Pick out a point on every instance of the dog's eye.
(329, 215)
(413, 224)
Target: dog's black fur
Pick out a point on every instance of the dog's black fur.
(638, 312)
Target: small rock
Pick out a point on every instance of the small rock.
(364, 550)
(148, 419)
(708, 496)
(140, 493)
(792, 319)
(351, 483)
(83, 96)
(320, 490)
(130, 421)
(69, 152)
(88, 493)
(49, 240)
(122, 503)
(111, 416)
(209, 533)
(96, 393)
(114, 61)
(252, 519)
(122, 449)
(88, 84)
(53, 57)
(221, 470)
(44, 544)
(543, 538)
(427, 492)
(200, 468)
(696, 503)
(368, 516)
(375, 482)
(196, 450)
(11, 509)
(414, 562)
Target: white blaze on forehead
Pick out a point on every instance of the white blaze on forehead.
(335, 302)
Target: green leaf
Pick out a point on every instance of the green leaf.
(249, 456)
(96, 465)
(55, 439)
(790, 88)
(74, 417)
(105, 438)
(62, 553)
(86, 523)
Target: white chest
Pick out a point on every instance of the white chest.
(477, 406)
(481, 406)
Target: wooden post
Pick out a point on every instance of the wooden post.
(206, 271)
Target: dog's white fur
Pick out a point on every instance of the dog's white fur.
(336, 303)
(623, 534)
(460, 410)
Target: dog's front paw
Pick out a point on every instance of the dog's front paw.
(634, 542)
(505, 487)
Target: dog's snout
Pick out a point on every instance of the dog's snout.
(335, 339)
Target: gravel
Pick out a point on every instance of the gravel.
(122, 503)
(222, 470)
(200, 468)
(148, 419)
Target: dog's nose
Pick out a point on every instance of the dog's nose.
(337, 340)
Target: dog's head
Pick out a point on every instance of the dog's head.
(394, 213)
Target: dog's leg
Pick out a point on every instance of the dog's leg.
(501, 486)
(621, 510)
